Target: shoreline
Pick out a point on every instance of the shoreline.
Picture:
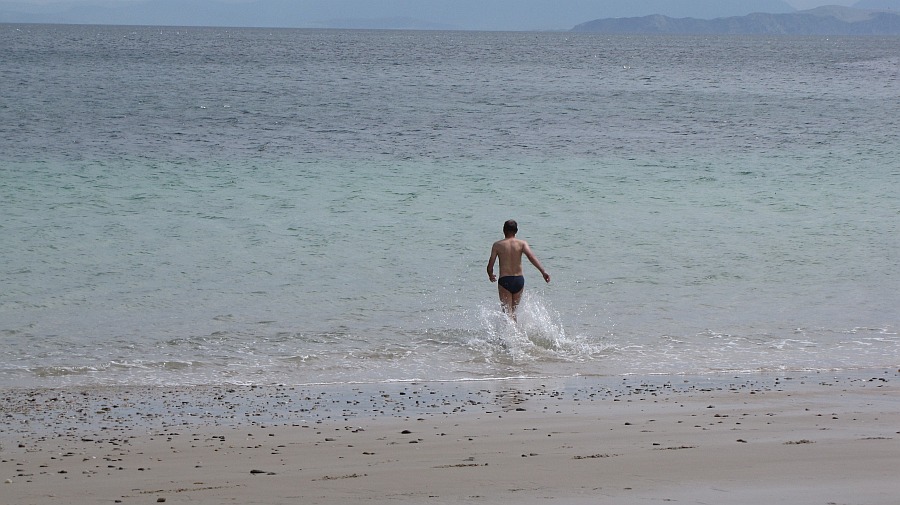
(798, 437)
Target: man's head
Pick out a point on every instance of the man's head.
(510, 228)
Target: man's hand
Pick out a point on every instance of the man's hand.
(546, 276)
(493, 277)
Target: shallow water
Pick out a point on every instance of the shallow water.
(195, 206)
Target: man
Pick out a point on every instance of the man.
(511, 283)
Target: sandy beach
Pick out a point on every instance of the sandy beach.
(802, 438)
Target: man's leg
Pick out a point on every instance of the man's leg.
(514, 303)
(507, 302)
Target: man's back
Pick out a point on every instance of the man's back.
(509, 252)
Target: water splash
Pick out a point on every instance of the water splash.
(538, 334)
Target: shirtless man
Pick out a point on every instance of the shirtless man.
(511, 284)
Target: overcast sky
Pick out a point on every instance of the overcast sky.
(809, 4)
(395, 14)
(797, 4)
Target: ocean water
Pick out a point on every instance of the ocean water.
(187, 206)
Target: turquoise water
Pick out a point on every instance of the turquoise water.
(195, 206)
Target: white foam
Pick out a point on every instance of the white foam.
(538, 334)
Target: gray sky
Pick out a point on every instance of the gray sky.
(797, 4)
(415, 14)
(810, 4)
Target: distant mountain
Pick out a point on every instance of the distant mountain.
(831, 20)
(878, 5)
(396, 14)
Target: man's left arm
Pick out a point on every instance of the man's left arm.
(534, 261)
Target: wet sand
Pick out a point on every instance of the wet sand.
(801, 438)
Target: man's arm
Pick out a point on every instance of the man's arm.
(490, 265)
(534, 261)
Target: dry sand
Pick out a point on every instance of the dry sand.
(805, 438)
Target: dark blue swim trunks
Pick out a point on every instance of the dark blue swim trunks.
(512, 283)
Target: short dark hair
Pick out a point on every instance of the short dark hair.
(510, 227)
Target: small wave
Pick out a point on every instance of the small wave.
(62, 371)
(301, 359)
(75, 370)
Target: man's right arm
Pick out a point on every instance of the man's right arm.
(490, 265)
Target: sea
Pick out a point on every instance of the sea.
(203, 206)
